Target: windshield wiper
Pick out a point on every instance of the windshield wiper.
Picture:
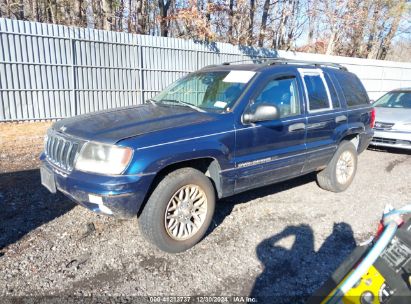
(152, 101)
(183, 103)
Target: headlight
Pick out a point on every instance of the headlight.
(103, 158)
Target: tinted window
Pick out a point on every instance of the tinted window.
(282, 93)
(333, 93)
(317, 93)
(352, 88)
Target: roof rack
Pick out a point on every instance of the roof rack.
(315, 63)
(278, 60)
(259, 59)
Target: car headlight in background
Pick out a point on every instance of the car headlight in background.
(103, 158)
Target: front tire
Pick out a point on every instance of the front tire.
(179, 210)
(340, 171)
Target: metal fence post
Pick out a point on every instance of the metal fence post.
(73, 74)
(140, 72)
(197, 59)
(197, 68)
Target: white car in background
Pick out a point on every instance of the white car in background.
(393, 120)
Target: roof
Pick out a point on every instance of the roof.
(402, 90)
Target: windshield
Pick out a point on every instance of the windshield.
(207, 91)
(395, 100)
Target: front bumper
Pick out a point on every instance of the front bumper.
(120, 196)
(392, 139)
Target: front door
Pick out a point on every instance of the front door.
(270, 151)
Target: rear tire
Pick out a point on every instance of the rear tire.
(340, 171)
(179, 210)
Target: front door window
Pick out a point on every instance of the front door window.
(281, 92)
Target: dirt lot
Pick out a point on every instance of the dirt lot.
(279, 242)
(20, 145)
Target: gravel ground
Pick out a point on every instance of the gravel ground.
(279, 243)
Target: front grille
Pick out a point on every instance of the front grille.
(383, 125)
(384, 140)
(61, 151)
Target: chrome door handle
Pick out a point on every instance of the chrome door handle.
(340, 118)
(296, 127)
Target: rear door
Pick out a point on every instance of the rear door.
(272, 150)
(322, 118)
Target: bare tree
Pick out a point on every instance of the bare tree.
(125, 16)
(401, 51)
(89, 14)
(264, 18)
(360, 28)
(251, 24)
(164, 6)
(312, 16)
(396, 13)
(230, 20)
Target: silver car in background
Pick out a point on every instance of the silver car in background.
(393, 120)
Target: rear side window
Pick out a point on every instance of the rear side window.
(317, 93)
(353, 91)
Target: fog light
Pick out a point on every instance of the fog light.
(95, 199)
(105, 209)
(98, 200)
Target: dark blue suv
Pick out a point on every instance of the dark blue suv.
(216, 132)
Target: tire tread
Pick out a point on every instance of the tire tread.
(151, 229)
(327, 179)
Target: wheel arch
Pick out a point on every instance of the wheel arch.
(207, 165)
(352, 137)
(352, 133)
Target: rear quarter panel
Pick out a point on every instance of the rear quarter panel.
(359, 116)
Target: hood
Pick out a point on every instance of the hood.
(112, 126)
(392, 115)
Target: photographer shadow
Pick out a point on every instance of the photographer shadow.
(225, 206)
(292, 275)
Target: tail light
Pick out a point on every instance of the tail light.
(372, 118)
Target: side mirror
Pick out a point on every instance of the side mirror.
(261, 112)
